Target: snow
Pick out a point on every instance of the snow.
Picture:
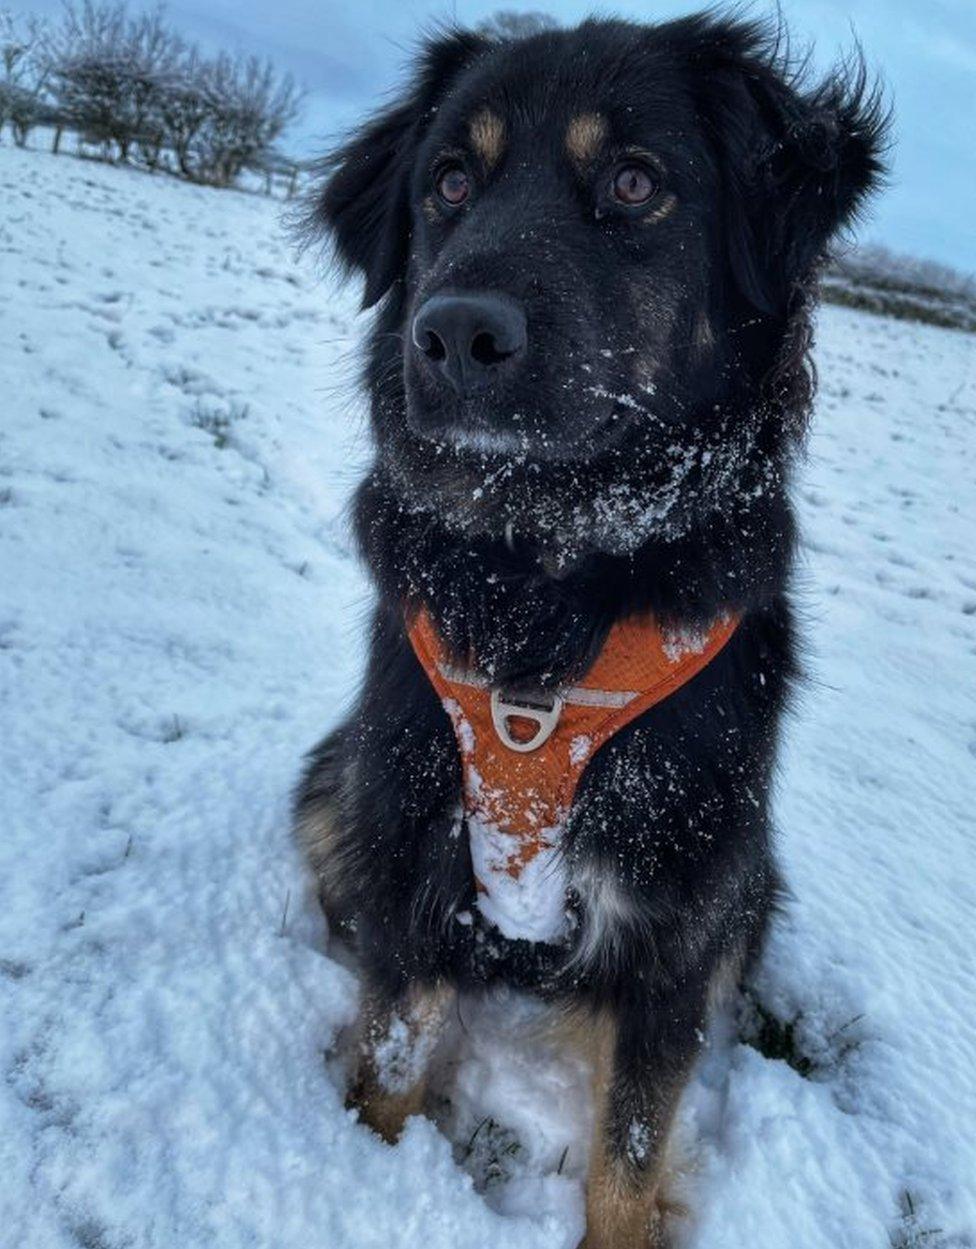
(522, 895)
(182, 617)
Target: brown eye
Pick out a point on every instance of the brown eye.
(633, 185)
(453, 186)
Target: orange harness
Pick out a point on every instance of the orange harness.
(522, 756)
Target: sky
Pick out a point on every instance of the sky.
(351, 56)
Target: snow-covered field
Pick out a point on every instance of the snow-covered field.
(180, 618)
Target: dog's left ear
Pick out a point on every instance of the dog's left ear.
(798, 161)
(363, 202)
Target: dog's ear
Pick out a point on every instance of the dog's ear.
(798, 160)
(363, 203)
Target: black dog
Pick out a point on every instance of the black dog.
(594, 253)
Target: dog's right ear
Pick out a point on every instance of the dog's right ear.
(364, 202)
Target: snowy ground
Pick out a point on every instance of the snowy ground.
(180, 619)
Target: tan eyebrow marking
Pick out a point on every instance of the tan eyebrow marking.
(487, 131)
(661, 209)
(585, 135)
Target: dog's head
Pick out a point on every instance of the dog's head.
(592, 246)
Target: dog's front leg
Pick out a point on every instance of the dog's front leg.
(396, 1041)
(643, 1054)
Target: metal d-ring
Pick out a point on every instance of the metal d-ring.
(543, 709)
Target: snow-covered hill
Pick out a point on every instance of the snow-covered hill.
(180, 618)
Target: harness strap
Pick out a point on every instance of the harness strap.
(523, 752)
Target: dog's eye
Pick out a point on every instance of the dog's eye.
(633, 185)
(452, 185)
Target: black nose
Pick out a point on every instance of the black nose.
(469, 338)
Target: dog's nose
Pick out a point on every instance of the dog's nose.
(469, 338)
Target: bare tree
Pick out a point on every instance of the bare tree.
(154, 55)
(109, 75)
(23, 74)
(248, 108)
(85, 71)
(133, 86)
(184, 106)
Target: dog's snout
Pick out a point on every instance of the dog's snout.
(468, 338)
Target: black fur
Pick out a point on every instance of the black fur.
(676, 503)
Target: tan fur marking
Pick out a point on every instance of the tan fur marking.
(317, 833)
(487, 131)
(386, 1113)
(725, 980)
(619, 1216)
(585, 135)
(621, 1212)
(421, 1016)
(663, 207)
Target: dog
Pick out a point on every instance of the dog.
(594, 255)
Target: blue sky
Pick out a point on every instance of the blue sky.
(350, 55)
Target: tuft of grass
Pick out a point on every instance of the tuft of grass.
(773, 1037)
(909, 1234)
(91, 1235)
(784, 1039)
(490, 1152)
(218, 420)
